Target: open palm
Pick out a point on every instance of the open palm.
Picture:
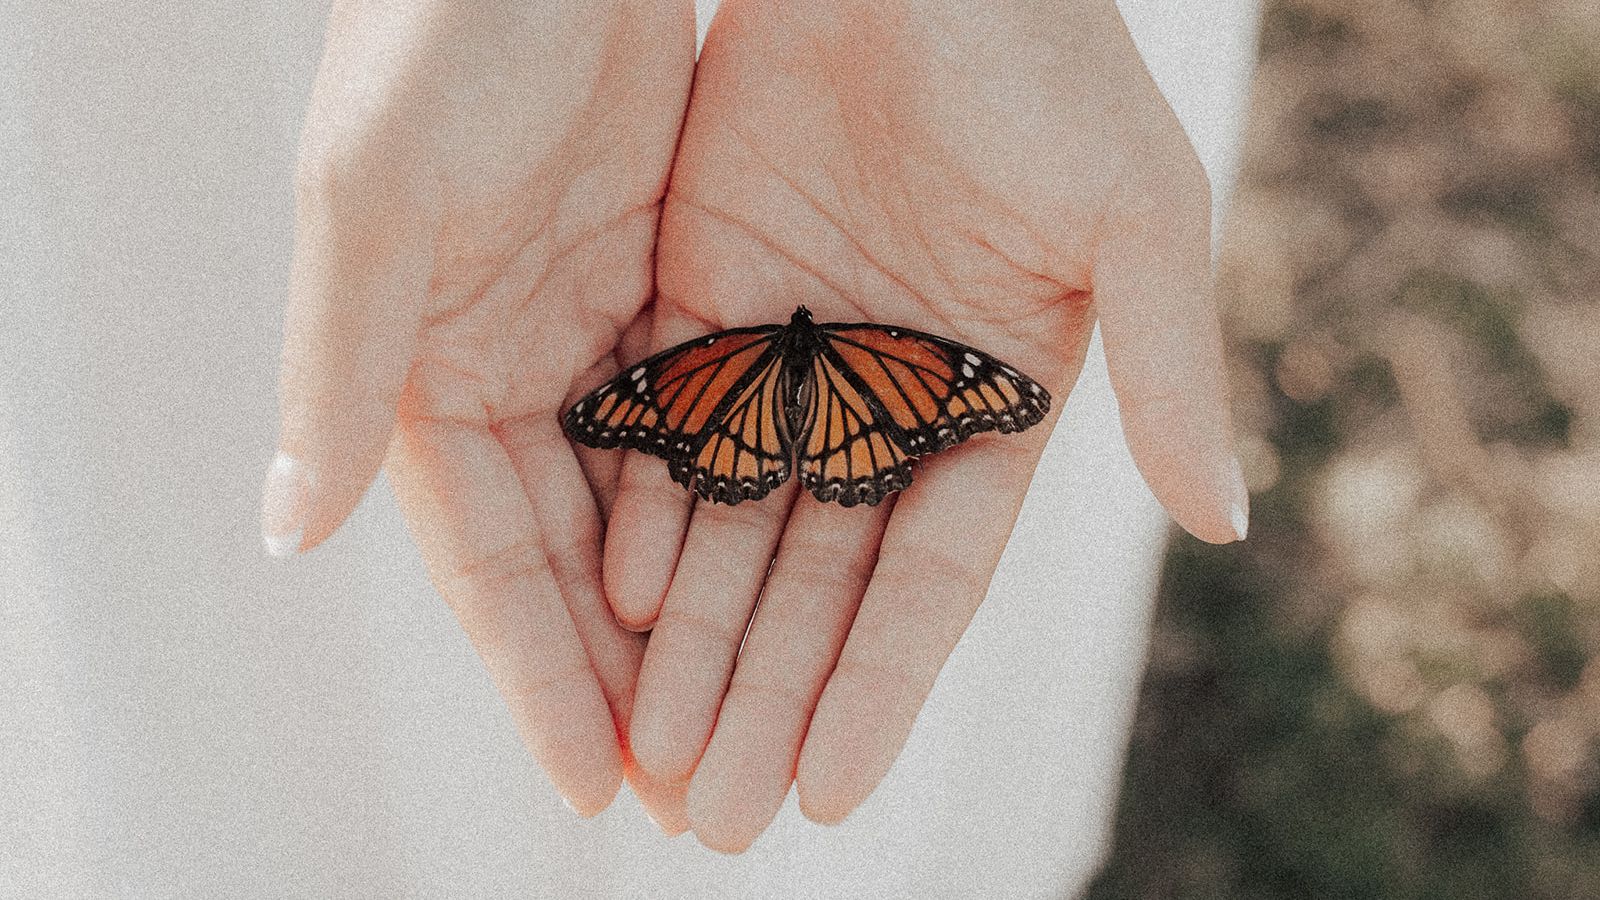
(978, 171)
(477, 206)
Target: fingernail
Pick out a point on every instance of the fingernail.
(1238, 512)
(285, 503)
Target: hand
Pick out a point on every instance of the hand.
(1005, 174)
(478, 194)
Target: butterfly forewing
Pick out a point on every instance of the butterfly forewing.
(935, 392)
(663, 404)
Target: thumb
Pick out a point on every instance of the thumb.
(1163, 346)
(362, 260)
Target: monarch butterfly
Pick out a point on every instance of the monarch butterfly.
(733, 412)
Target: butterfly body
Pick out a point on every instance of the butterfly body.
(735, 413)
(798, 345)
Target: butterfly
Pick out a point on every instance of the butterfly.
(735, 412)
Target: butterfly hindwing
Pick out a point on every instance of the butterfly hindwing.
(848, 453)
(744, 452)
(664, 405)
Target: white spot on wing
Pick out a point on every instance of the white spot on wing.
(972, 359)
(968, 371)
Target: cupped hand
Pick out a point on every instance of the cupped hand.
(1005, 174)
(477, 200)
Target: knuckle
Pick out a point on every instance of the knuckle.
(819, 569)
(547, 683)
(705, 627)
(478, 587)
(755, 519)
(1154, 409)
(876, 679)
(920, 568)
(936, 591)
(760, 690)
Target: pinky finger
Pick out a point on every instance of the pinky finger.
(485, 554)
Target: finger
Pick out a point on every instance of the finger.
(362, 258)
(568, 521)
(823, 563)
(566, 515)
(939, 551)
(693, 645)
(643, 539)
(663, 801)
(649, 516)
(487, 555)
(1163, 346)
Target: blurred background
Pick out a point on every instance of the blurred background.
(1392, 690)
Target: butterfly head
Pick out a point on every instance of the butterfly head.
(802, 316)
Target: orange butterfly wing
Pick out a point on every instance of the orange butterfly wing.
(885, 395)
(745, 451)
(875, 397)
(707, 406)
(847, 455)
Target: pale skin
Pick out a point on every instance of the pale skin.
(477, 245)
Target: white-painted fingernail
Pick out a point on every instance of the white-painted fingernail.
(285, 503)
(1239, 512)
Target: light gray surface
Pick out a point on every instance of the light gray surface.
(181, 717)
